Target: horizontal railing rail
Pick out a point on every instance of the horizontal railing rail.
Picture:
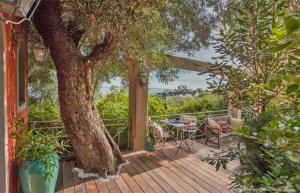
(201, 116)
(115, 129)
(118, 127)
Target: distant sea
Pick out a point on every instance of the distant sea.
(188, 78)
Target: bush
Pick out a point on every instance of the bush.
(115, 106)
(157, 106)
(46, 111)
(198, 104)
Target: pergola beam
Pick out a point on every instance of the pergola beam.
(194, 65)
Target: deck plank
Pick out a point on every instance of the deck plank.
(194, 177)
(155, 176)
(139, 180)
(90, 186)
(156, 187)
(162, 172)
(213, 182)
(165, 174)
(68, 178)
(131, 183)
(122, 185)
(205, 168)
(101, 186)
(180, 173)
(113, 187)
(78, 183)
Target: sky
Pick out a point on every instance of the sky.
(189, 78)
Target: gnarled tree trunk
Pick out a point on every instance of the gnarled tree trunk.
(94, 148)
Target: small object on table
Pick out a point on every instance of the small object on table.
(187, 122)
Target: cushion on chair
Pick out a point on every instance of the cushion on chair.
(224, 125)
(157, 131)
(235, 122)
(213, 125)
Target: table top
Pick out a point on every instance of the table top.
(178, 125)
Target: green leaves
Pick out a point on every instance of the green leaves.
(275, 123)
(292, 23)
(39, 145)
(262, 45)
(292, 88)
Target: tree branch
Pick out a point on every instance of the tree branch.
(48, 22)
(102, 51)
(75, 32)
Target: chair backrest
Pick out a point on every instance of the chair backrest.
(213, 125)
(157, 130)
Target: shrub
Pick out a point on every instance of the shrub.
(46, 111)
(157, 106)
(199, 104)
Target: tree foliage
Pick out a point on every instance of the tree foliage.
(246, 46)
(144, 30)
(266, 81)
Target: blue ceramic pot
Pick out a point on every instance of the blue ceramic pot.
(33, 177)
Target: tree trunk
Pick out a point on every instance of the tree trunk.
(94, 148)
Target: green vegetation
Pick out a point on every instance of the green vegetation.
(115, 106)
(38, 145)
(45, 111)
(263, 46)
(259, 54)
(208, 102)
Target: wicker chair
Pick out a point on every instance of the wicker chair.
(221, 127)
(160, 136)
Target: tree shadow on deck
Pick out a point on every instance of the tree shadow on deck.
(159, 166)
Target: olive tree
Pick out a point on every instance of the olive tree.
(84, 36)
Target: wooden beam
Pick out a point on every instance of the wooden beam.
(194, 65)
(138, 108)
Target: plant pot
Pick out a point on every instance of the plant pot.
(33, 177)
(149, 146)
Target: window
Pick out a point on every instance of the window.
(21, 73)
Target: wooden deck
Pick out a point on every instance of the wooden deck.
(159, 172)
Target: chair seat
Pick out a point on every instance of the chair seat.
(166, 134)
(227, 134)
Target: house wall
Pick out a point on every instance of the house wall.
(3, 121)
(13, 112)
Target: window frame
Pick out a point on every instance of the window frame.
(21, 48)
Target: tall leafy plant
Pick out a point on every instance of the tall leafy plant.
(262, 51)
(247, 61)
(40, 146)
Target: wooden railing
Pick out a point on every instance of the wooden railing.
(201, 116)
(118, 127)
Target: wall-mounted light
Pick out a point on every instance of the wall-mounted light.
(39, 53)
(20, 8)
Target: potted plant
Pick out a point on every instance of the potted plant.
(149, 144)
(38, 152)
